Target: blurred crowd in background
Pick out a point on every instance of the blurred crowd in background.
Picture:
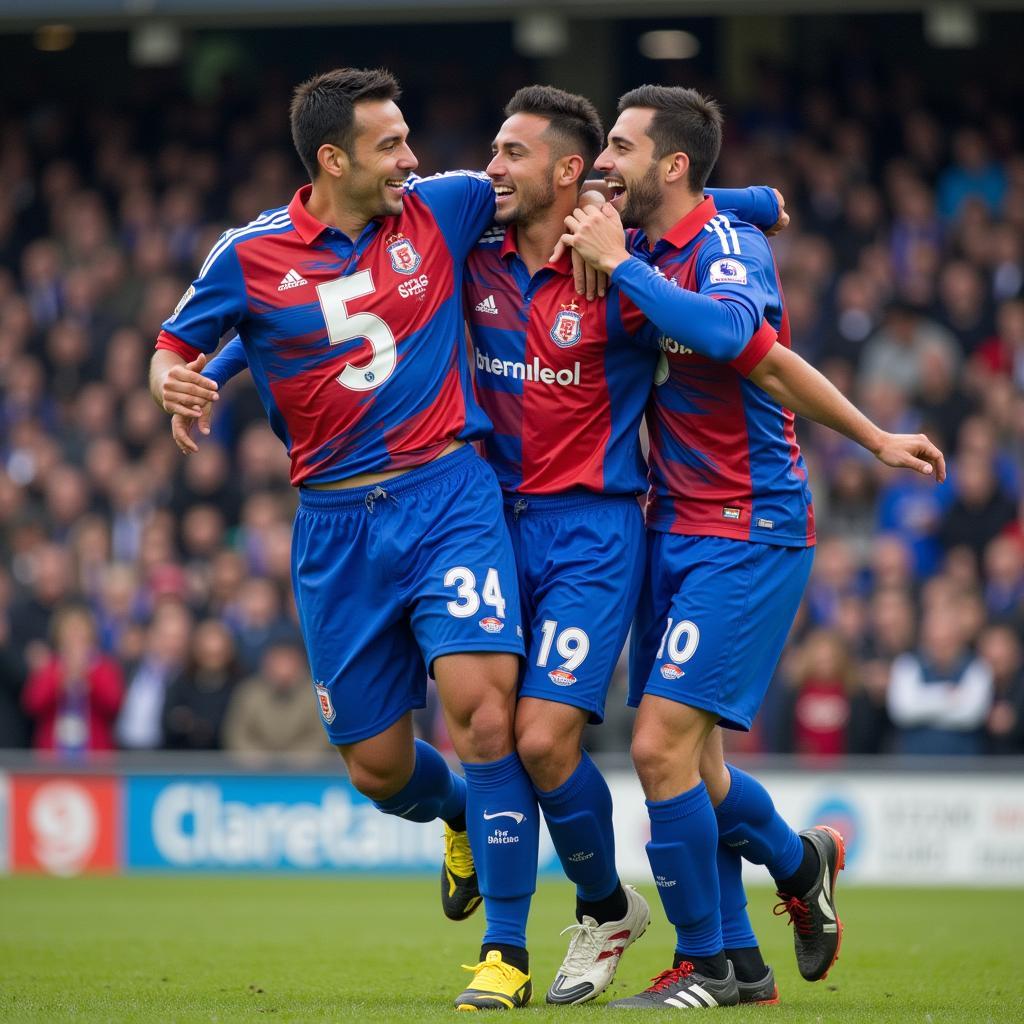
(145, 599)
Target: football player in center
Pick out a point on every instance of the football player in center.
(564, 381)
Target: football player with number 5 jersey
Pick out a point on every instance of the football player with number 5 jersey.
(348, 305)
(729, 548)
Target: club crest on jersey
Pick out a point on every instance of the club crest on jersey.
(562, 677)
(492, 625)
(728, 272)
(404, 257)
(323, 696)
(568, 326)
(670, 671)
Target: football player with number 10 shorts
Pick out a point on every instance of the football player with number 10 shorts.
(731, 534)
(348, 305)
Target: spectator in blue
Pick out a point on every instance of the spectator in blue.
(973, 174)
(940, 696)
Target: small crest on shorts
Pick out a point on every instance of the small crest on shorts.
(670, 671)
(492, 625)
(562, 677)
(326, 707)
(730, 513)
(404, 257)
(568, 326)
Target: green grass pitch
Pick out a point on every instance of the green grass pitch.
(325, 949)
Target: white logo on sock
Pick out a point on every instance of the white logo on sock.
(514, 815)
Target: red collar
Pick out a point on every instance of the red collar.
(563, 265)
(307, 227)
(686, 230)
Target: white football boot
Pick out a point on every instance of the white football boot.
(595, 950)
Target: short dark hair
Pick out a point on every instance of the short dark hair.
(574, 124)
(684, 121)
(323, 108)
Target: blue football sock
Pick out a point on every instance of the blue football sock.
(737, 931)
(503, 824)
(579, 817)
(434, 791)
(682, 852)
(749, 823)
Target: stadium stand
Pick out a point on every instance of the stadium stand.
(904, 273)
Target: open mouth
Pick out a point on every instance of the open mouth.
(503, 192)
(616, 189)
(396, 184)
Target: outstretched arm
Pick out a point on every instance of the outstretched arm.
(722, 329)
(797, 385)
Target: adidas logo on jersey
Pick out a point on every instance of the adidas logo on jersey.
(488, 306)
(293, 279)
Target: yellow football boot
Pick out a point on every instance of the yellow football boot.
(496, 986)
(460, 893)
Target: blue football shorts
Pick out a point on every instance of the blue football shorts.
(713, 617)
(580, 560)
(387, 578)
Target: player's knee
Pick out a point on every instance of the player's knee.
(485, 734)
(376, 781)
(649, 758)
(663, 767)
(549, 756)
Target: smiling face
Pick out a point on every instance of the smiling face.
(380, 160)
(629, 167)
(522, 170)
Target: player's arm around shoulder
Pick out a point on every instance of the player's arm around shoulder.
(462, 203)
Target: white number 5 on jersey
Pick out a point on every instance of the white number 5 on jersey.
(342, 327)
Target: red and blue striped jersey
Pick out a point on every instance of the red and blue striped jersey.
(724, 458)
(565, 380)
(561, 378)
(356, 345)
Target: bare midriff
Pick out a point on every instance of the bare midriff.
(369, 479)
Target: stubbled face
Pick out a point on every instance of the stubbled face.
(629, 167)
(521, 170)
(380, 161)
